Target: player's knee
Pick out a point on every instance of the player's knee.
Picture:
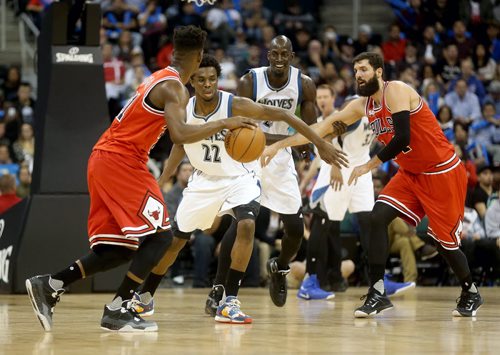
(246, 228)
(114, 253)
(157, 245)
(381, 215)
(294, 227)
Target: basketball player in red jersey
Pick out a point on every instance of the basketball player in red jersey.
(430, 181)
(126, 203)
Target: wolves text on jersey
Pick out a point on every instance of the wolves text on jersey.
(282, 103)
(217, 137)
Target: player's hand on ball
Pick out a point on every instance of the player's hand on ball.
(357, 172)
(339, 128)
(336, 180)
(269, 152)
(239, 121)
(331, 155)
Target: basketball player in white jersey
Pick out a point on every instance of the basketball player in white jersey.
(334, 198)
(279, 85)
(221, 185)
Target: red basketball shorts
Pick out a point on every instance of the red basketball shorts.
(125, 200)
(440, 196)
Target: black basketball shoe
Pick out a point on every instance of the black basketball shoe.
(375, 303)
(278, 285)
(467, 304)
(43, 298)
(125, 319)
(213, 300)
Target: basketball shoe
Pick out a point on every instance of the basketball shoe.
(375, 303)
(121, 316)
(467, 304)
(44, 294)
(310, 290)
(213, 300)
(229, 312)
(277, 286)
(397, 288)
(143, 304)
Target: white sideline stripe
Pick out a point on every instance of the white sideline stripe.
(444, 171)
(448, 161)
(112, 236)
(400, 210)
(402, 204)
(117, 243)
(135, 228)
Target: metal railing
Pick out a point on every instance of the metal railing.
(27, 31)
(356, 6)
(3, 25)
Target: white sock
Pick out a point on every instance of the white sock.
(146, 297)
(115, 304)
(473, 288)
(56, 284)
(379, 286)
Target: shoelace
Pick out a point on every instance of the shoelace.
(369, 301)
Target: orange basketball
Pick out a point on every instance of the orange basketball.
(245, 144)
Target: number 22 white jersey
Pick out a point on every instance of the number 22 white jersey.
(209, 155)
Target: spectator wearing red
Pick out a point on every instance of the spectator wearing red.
(394, 47)
(8, 197)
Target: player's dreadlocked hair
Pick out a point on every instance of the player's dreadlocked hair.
(210, 61)
(375, 59)
(189, 38)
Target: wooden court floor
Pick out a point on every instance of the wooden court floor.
(421, 322)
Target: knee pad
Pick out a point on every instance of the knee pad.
(104, 257)
(149, 254)
(179, 234)
(248, 211)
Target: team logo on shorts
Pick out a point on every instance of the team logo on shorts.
(153, 211)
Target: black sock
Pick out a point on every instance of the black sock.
(224, 259)
(69, 275)
(233, 282)
(127, 289)
(151, 284)
(458, 263)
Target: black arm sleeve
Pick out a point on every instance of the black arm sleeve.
(401, 139)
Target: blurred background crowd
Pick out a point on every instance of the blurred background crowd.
(448, 51)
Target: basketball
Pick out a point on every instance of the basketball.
(245, 144)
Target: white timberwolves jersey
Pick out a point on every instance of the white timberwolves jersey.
(356, 142)
(287, 97)
(280, 190)
(209, 155)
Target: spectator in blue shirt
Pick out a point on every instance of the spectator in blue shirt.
(474, 85)
(464, 104)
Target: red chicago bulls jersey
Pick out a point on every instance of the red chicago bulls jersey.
(138, 126)
(429, 150)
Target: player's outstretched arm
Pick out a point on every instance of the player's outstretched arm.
(173, 96)
(334, 124)
(268, 113)
(175, 158)
(398, 97)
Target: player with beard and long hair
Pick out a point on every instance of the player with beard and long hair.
(430, 181)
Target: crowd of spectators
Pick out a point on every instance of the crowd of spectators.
(448, 51)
